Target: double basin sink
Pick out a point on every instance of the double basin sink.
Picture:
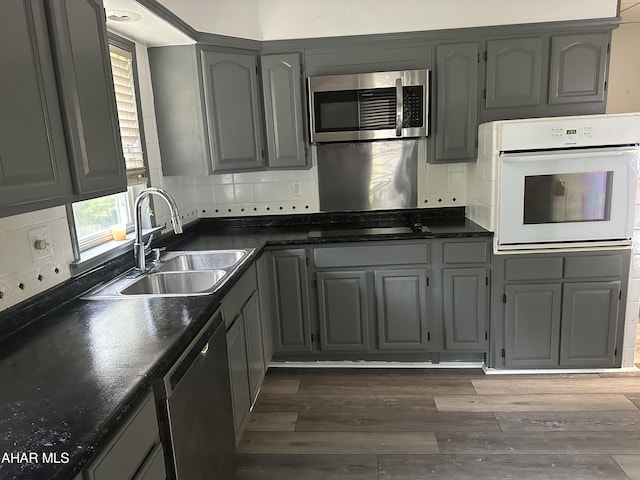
(177, 274)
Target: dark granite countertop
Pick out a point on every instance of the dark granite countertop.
(70, 376)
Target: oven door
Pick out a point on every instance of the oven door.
(548, 198)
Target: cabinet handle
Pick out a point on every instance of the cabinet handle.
(399, 107)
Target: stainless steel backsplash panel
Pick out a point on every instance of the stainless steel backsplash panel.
(368, 175)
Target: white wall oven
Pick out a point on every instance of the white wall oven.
(563, 182)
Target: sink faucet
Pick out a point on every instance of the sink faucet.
(139, 247)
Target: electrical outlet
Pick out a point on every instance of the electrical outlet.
(40, 242)
(297, 188)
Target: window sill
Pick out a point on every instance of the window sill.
(96, 256)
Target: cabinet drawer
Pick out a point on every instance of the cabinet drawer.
(533, 268)
(586, 266)
(371, 255)
(125, 454)
(465, 252)
(239, 294)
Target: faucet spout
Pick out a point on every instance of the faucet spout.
(139, 248)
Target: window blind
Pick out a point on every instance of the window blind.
(121, 66)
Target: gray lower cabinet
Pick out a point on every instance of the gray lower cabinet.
(242, 315)
(402, 309)
(532, 325)
(563, 309)
(59, 139)
(291, 325)
(255, 349)
(465, 308)
(589, 319)
(578, 68)
(283, 110)
(230, 85)
(456, 105)
(238, 373)
(134, 452)
(343, 311)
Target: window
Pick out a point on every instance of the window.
(94, 218)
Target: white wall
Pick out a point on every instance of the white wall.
(287, 19)
(624, 71)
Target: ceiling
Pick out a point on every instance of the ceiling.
(287, 19)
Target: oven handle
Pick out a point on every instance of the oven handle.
(553, 155)
(399, 108)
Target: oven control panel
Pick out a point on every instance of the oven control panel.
(572, 133)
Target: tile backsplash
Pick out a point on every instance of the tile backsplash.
(22, 274)
(277, 192)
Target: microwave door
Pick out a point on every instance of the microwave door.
(566, 196)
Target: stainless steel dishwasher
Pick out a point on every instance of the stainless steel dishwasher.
(195, 410)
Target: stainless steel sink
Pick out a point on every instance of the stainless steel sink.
(206, 260)
(178, 274)
(175, 283)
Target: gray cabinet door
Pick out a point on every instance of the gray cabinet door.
(456, 79)
(291, 321)
(578, 68)
(283, 110)
(465, 309)
(34, 166)
(532, 325)
(238, 372)
(402, 309)
(589, 319)
(514, 72)
(255, 351)
(343, 311)
(232, 109)
(264, 293)
(87, 91)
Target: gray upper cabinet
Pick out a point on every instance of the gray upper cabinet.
(589, 319)
(34, 164)
(283, 110)
(465, 308)
(207, 110)
(290, 307)
(456, 83)
(60, 138)
(87, 91)
(230, 85)
(514, 72)
(343, 311)
(402, 309)
(578, 68)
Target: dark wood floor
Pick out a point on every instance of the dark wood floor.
(409, 424)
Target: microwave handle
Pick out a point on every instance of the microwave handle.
(399, 107)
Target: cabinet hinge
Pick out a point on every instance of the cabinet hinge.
(486, 335)
(428, 336)
(315, 284)
(605, 86)
(503, 353)
(262, 154)
(615, 352)
(484, 93)
(476, 143)
(486, 281)
(486, 56)
(619, 294)
(478, 57)
(608, 48)
(504, 298)
(312, 338)
(306, 261)
(427, 281)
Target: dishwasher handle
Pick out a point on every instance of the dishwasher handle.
(198, 347)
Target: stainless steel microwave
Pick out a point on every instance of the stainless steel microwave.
(369, 106)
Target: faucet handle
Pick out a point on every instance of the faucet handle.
(156, 254)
